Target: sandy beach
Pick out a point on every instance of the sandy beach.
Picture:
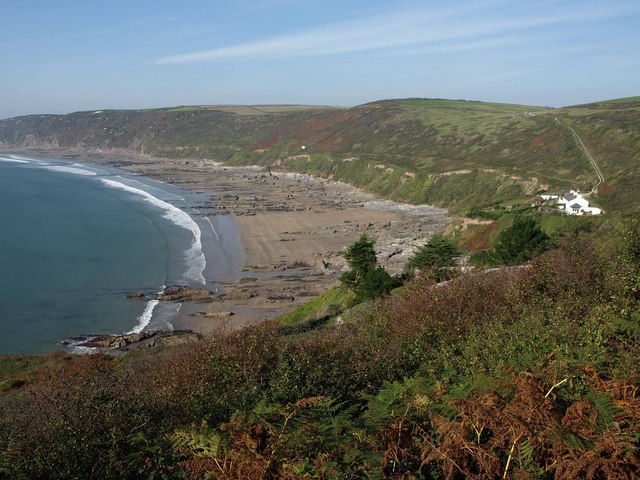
(293, 229)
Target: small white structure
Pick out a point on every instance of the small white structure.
(573, 203)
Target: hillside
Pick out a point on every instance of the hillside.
(527, 371)
(456, 154)
(521, 373)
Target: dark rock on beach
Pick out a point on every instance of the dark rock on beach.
(186, 294)
(134, 341)
(223, 314)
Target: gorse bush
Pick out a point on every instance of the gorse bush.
(523, 372)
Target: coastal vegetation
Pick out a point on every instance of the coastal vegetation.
(462, 155)
(523, 240)
(525, 372)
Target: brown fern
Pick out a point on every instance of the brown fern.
(614, 450)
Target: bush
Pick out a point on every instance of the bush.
(483, 259)
(519, 372)
(520, 242)
(374, 284)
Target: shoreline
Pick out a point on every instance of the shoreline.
(291, 228)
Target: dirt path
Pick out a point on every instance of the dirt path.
(588, 155)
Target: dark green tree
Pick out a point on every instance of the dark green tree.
(366, 278)
(522, 241)
(361, 258)
(438, 254)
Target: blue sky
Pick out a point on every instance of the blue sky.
(67, 55)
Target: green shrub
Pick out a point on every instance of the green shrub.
(374, 284)
(522, 241)
(332, 302)
(483, 259)
(361, 258)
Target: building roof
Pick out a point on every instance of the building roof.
(570, 196)
(576, 206)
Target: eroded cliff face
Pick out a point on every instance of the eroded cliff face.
(33, 141)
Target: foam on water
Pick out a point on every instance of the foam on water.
(145, 318)
(75, 347)
(213, 229)
(12, 160)
(163, 315)
(73, 170)
(29, 159)
(151, 189)
(195, 258)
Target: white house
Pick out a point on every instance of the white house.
(573, 203)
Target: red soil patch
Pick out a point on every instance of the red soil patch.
(538, 141)
(605, 188)
(310, 132)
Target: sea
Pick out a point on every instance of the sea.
(76, 239)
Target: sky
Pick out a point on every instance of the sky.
(74, 55)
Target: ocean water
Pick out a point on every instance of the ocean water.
(75, 239)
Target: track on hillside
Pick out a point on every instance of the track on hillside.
(587, 154)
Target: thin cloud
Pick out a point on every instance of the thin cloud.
(412, 28)
(508, 74)
(466, 46)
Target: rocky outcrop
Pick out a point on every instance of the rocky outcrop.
(134, 341)
(223, 314)
(186, 294)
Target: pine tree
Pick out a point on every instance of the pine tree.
(361, 258)
(439, 253)
(366, 278)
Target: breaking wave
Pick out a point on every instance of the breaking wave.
(73, 170)
(194, 256)
(12, 160)
(145, 318)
